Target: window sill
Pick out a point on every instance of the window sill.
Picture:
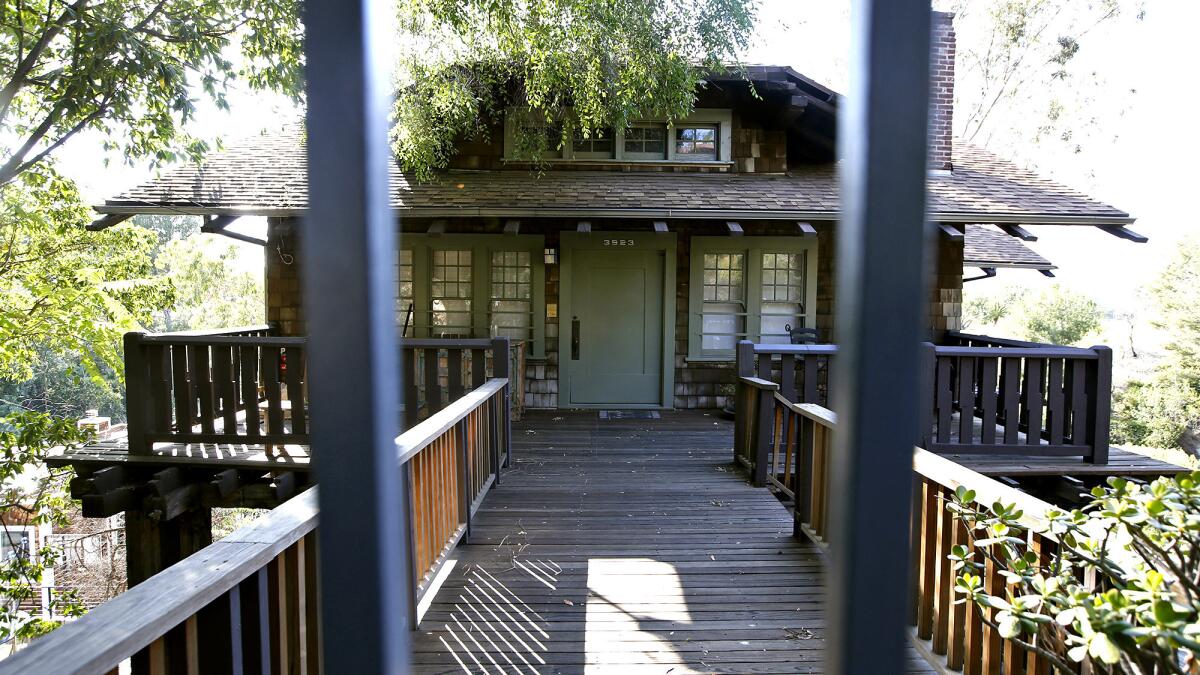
(711, 359)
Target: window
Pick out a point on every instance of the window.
(705, 135)
(723, 314)
(782, 295)
(474, 286)
(748, 288)
(405, 309)
(696, 143)
(451, 294)
(648, 142)
(598, 146)
(512, 294)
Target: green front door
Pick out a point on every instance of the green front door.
(615, 327)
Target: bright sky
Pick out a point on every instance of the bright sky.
(1144, 165)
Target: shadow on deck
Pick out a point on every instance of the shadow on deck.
(628, 546)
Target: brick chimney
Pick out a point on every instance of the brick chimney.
(941, 92)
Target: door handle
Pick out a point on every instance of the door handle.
(574, 338)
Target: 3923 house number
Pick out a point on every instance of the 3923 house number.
(618, 242)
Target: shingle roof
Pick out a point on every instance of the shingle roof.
(266, 175)
(988, 247)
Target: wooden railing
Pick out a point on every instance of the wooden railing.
(1017, 398)
(954, 629)
(250, 602)
(246, 386)
(979, 395)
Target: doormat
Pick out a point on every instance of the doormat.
(629, 415)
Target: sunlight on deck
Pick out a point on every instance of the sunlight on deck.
(623, 594)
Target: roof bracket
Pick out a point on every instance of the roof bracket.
(512, 227)
(735, 228)
(217, 224)
(952, 232)
(661, 226)
(1047, 273)
(1018, 232)
(988, 273)
(584, 226)
(806, 229)
(108, 220)
(1124, 233)
(437, 228)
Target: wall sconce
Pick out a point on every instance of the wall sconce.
(551, 256)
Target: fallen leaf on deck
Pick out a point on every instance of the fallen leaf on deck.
(569, 603)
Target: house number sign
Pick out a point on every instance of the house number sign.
(618, 242)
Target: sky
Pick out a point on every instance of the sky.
(1142, 162)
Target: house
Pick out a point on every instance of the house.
(630, 264)
(630, 269)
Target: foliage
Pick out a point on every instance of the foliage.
(1164, 410)
(63, 289)
(210, 292)
(1121, 589)
(130, 70)
(60, 386)
(990, 310)
(589, 65)
(32, 495)
(1018, 76)
(1060, 316)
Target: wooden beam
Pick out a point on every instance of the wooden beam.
(806, 229)
(215, 224)
(735, 228)
(951, 231)
(512, 227)
(1018, 232)
(661, 226)
(1124, 233)
(1047, 273)
(436, 228)
(584, 226)
(106, 221)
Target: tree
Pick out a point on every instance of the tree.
(129, 70)
(990, 310)
(588, 65)
(1121, 588)
(1060, 317)
(210, 292)
(1018, 77)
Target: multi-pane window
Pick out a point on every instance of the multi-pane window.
(450, 294)
(748, 288)
(547, 139)
(511, 307)
(599, 145)
(473, 286)
(405, 309)
(696, 143)
(723, 314)
(646, 142)
(782, 295)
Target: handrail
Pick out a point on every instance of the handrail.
(954, 629)
(994, 341)
(256, 340)
(143, 615)
(1048, 352)
(236, 330)
(771, 348)
(419, 437)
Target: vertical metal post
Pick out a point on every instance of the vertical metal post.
(881, 280)
(349, 245)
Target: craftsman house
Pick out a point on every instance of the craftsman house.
(650, 273)
(631, 264)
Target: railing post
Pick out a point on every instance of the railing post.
(802, 488)
(1101, 408)
(763, 427)
(500, 356)
(136, 394)
(464, 480)
(928, 365)
(741, 415)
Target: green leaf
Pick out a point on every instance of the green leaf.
(1103, 648)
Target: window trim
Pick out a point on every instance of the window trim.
(481, 247)
(721, 117)
(753, 248)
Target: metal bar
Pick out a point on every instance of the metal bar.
(883, 145)
(352, 346)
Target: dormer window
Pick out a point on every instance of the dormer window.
(697, 143)
(704, 137)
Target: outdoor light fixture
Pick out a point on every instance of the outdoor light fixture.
(551, 256)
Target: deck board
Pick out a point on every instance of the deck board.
(628, 546)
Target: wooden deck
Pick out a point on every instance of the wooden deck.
(628, 546)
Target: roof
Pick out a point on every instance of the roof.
(985, 246)
(266, 176)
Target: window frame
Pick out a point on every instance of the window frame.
(706, 126)
(481, 246)
(753, 248)
(722, 118)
